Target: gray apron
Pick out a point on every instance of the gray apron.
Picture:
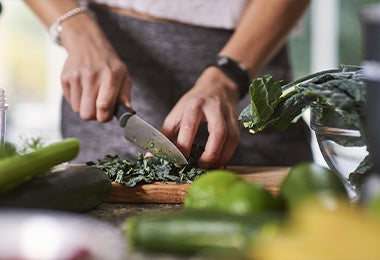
(164, 60)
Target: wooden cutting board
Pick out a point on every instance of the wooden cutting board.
(269, 177)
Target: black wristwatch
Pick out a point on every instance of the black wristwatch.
(235, 71)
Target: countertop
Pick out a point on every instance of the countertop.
(117, 213)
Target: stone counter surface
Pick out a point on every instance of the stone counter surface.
(118, 213)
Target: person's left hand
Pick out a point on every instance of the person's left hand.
(213, 100)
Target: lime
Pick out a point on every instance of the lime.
(206, 191)
(309, 179)
(246, 198)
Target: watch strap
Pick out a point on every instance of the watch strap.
(236, 71)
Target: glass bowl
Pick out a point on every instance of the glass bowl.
(340, 142)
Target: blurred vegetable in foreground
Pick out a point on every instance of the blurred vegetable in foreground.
(309, 179)
(338, 232)
(17, 169)
(228, 192)
(196, 232)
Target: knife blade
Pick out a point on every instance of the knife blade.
(145, 136)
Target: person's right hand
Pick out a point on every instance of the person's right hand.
(93, 76)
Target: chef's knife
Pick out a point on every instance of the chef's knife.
(145, 136)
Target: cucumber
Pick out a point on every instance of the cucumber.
(17, 169)
(76, 188)
(195, 231)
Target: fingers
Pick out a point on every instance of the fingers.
(182, 123)
(75, 92)
(184, 120)
(213, 99)
(223, 137)
(110, 86)
(92, 91)
(218, 132)
(231, 141)
(125, 91)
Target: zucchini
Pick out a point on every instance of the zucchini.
(195, 231)
(76, 188)
(20, 168)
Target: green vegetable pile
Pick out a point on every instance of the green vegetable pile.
(149, 169)
(278, 104)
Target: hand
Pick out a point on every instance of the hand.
(93, 77)
(213, 99)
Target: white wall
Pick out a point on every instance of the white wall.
(29, 72)
(324, 48)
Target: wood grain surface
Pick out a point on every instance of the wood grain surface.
(269, 177)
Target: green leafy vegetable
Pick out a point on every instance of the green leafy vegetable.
(282, 104)
(148, 169)
(277, 104)
(17, 169)
(7, 149)
(29, 144)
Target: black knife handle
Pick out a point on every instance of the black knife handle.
(123, 113)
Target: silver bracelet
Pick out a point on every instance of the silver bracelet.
(56, 28)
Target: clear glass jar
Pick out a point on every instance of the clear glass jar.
(342, 145)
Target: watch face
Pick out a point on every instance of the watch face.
(222, 61)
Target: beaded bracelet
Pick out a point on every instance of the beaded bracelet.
(56, 28)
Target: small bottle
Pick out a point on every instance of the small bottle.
(3, 108)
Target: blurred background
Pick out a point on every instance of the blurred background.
(30, 68)
(329, 34)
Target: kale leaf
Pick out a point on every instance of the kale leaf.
(273, 103)
(149, 169)
(277, 104)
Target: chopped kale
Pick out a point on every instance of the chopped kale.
(149, 169)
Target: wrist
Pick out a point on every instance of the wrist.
(81, 32)
(235, 71)
(56, 28)
(222, 83)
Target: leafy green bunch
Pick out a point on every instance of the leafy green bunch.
(278, 104)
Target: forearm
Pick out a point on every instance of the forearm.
(263, 28)
(49, 10)
(79, 27)
(93, 76)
